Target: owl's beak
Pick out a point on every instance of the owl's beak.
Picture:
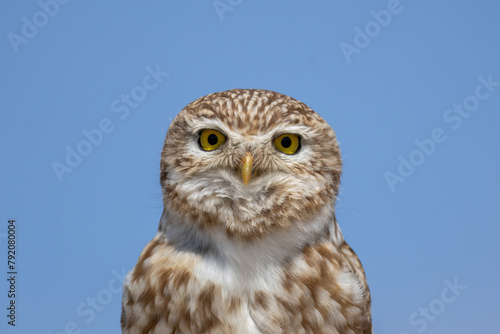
(246, 167)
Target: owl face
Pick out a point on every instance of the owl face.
(249, 161)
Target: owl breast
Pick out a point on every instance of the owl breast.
(273, 285)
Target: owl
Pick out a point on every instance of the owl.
(248, 241)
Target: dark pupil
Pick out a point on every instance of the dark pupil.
(286, 142)
(212, 139)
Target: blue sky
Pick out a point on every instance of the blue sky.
(412, 89)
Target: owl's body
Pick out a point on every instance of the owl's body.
(248, 241)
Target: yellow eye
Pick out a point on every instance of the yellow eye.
(211, 139)
(287, 143)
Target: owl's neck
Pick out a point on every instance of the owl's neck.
(215, 244)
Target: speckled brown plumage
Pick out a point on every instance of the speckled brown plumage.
(262, 257)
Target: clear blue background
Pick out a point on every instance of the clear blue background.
(77, 235)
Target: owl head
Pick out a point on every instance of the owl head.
(249, 161)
